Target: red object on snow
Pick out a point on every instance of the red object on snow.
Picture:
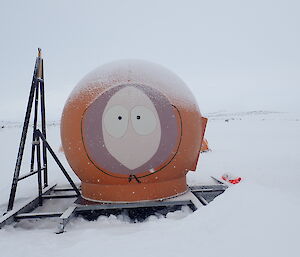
(231, 178)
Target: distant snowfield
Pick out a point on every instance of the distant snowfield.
(258, 217)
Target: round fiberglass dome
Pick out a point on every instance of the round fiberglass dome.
(131, 130)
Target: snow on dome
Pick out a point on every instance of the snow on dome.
(137, 72)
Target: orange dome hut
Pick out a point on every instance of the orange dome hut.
(131, 130)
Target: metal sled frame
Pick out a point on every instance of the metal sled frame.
(196, 196)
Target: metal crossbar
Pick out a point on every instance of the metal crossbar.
(38, 215)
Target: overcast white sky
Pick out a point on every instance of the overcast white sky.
(234, 55)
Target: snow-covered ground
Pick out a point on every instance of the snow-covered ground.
(234, 55)
(258, 217)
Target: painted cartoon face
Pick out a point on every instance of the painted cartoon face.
(130, 129)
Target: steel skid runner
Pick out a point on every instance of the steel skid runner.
(40, 207)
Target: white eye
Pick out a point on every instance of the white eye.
(116, 121)
(143, 120)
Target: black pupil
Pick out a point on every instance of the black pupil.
(120, 118)
(138, 117)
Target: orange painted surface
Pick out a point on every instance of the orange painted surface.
(204, 146)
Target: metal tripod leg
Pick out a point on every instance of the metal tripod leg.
(43, 120)
(40, 135)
